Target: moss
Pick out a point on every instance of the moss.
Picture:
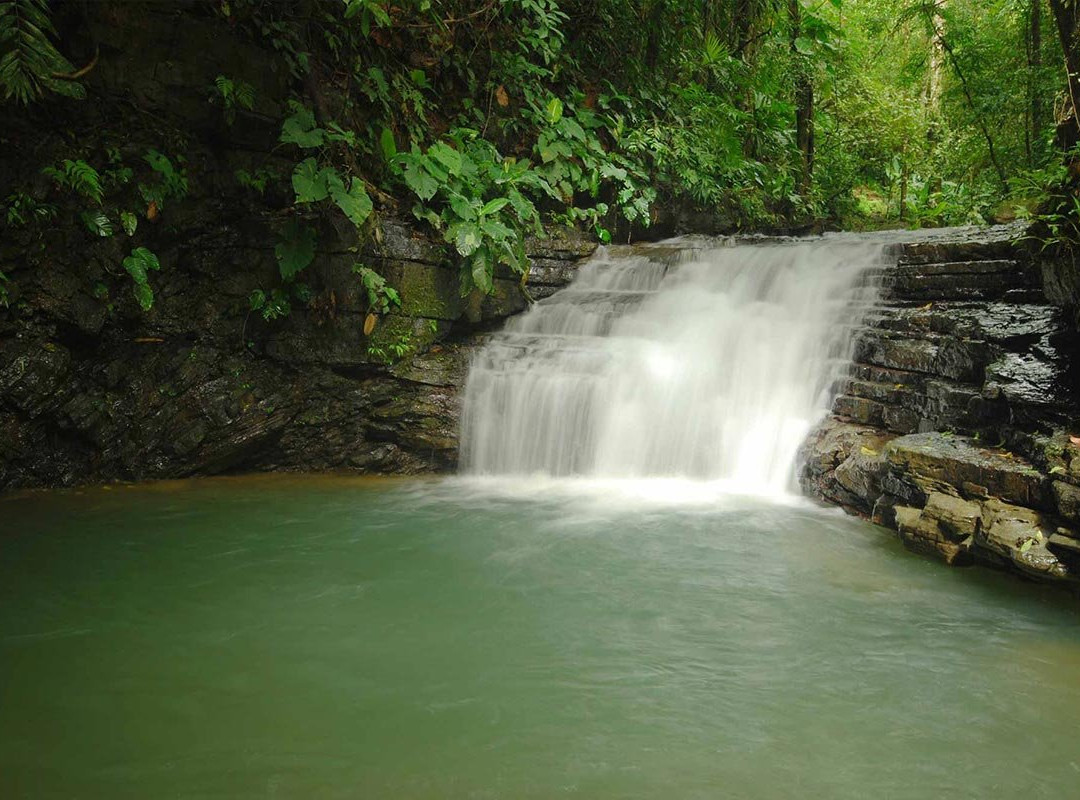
(430, 292)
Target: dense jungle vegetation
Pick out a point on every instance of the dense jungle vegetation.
(481, 118)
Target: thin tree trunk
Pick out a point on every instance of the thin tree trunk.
(1067, 17)
(1034, 54)
(804, 103)
(935, 83)
(938, 34)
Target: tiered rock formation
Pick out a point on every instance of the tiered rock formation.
(955, 425)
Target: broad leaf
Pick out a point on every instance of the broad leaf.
(481, 272)
(422, 184)
(300, 129)
(354, 203)
(388, 145)
(554, 110)
(97, 223)
(462, 206)
(493, 206)
(466, 237)
(144, 295)
(496, 230)
(295, 250)
(310, 183)
(447, 156)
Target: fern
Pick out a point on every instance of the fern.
(78, 176)
(29, 62)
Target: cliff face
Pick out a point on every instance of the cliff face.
(93, 388)
(199, 385)
(956, 425)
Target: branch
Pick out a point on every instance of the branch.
(74, 76)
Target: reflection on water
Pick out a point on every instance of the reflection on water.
(335, 637)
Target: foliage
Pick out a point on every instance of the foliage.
(394, 350)
(79, 177)
(475, 197)
(21, 209)
(233, 95)
(485, 119)
(138, 265)
(168, 181)
(30, 64)
(381, 297)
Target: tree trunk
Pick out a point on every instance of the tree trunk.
(1034, 44)
(804, 103)
(1067, 17)
(935, 82)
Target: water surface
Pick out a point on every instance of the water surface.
(280, 637)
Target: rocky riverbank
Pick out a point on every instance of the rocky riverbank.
(956, 426)
(199, 385)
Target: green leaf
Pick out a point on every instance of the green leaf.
(300, 129)
(144, 295)
(462, 206)
(447, 156)
(496, 230)
(388, 145)
(522, 205)
(310, 183)
(97, 223)
(421, 211)
(481, 272)
(804, 45)
(129, 222)
(354, 203)
(295, 250)
(138, 264)
(492, 206)
(421, 183)
(554, 110)
(466, 237)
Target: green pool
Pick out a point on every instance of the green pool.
(327, 637)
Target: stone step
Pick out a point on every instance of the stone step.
(959, 267)
(899, 281)
(934, 291)
(956, 359)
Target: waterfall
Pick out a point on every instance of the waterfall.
(687, 359)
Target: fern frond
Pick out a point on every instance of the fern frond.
(28, 58)
(78, 176)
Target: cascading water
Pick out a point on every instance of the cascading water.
(676, 360)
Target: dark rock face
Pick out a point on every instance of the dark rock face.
(954, 425)
(94, 389)
(199, 386)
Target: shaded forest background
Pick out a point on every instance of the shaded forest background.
(482, 119)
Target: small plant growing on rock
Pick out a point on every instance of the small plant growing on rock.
(232, 94)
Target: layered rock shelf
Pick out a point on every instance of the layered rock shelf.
(200, 385)
(956, 424)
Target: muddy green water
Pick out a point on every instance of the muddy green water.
(327, 637)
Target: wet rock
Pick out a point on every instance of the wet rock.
(842, 462)
(955, 460)
(34, 375)
(922, 532)
(1067, 499)
(1020, 535)
(1066, 546)
(957, 519)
